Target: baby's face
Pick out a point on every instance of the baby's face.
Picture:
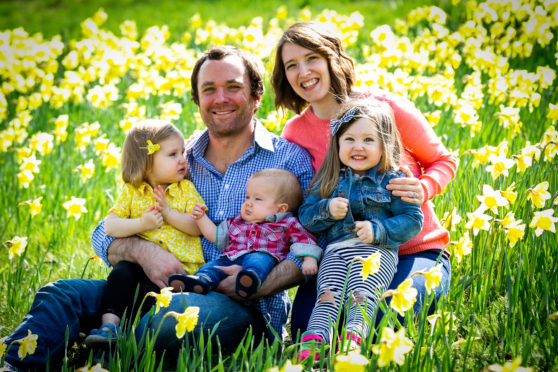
(260, 200)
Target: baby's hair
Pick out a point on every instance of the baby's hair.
(381, 115)
(136, 163)
(287, 188)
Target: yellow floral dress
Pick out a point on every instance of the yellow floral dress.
(181, 196)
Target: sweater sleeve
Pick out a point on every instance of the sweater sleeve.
(439, 165)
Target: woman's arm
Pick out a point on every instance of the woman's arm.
(437, 163)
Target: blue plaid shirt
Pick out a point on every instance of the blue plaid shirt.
(224, 194)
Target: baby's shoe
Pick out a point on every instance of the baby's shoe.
(247, 283)
(190, 283)
(102, 337)
(310, 343)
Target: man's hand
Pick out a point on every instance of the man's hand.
(364, 231)
(228, 285)
(152, 218)
(159, 264)
(338, 208)
(309, 266)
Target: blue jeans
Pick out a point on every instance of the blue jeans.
(408, 264)
(233, 319)
(259, 262)
(76, 304)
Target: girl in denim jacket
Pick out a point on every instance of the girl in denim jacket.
(350, 205)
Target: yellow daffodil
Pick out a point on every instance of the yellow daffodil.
(510, 194)
(171, 110)
(514, 232)
(163, 298)
(16, 246)
(3, 346)
(75, 207)
(353, 361)
(31, 164)
(544, 220)
(186, 322)
(86, 170)
(24, 178)
(152, 148)
(539, 194)
(370, 264)
(392, 347)
(447, 318)
(491, 199)
(404, 296)
(27, 345)
(509, 118)
(499, 166)
(450, 219)
(35, 205)
(432, 276)
(287, 367)
(96, 368)
(513, 366)
(478, 221)
(552, 113)
(110, 158)
(462, 247)
(97, 259)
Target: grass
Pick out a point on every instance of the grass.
(502, 295)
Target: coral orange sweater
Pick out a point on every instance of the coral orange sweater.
(424, 154)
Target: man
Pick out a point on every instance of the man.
(227, 86)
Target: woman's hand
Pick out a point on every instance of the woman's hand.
(408, 188)
(338, 208)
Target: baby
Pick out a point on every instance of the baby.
(260, 237)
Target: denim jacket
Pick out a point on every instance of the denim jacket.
(393, 221)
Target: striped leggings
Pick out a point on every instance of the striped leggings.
(331, 280)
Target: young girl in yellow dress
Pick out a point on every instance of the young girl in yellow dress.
(154, 204)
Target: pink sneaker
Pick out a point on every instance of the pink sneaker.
(309, 342)
(352, 344)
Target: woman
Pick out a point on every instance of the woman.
(312, 76)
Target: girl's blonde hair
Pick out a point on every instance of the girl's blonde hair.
(381, 115)
(136, 163)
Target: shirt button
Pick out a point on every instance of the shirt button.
(227, 186)
(221, 213)
(252, 232)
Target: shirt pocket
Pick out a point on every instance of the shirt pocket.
(376, 196)
(272, 234)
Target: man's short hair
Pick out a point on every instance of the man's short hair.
(287, 187)
(253, 66)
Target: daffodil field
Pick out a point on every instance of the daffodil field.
(482, 72)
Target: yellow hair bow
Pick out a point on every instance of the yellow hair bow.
(151, 148)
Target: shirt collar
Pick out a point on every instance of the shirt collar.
(372, 174)
(262, 137)
(278, 217)
(172, 189)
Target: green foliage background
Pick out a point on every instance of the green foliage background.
(502, 297)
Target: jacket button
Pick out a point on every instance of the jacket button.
(342, 194)
(378, 195)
